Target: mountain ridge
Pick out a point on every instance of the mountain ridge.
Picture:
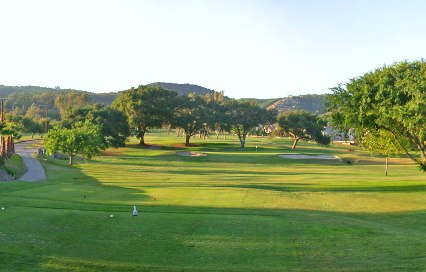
(313, 103)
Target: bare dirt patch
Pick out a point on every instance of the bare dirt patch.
(191, 154)
(111, 152)
(304, 157)
(179, 145)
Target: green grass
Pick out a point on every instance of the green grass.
(15, 165)
(232, 210)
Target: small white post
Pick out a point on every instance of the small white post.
(135, 212)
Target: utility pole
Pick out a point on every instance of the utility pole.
(2, 138)
(2, 99)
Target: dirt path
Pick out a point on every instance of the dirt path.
(35, 171)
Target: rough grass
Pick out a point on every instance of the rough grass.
(16, 166)
(233, 210)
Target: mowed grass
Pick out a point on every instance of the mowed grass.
(232, 210)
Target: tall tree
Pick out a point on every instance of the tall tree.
(391, 102)
(65, 102)
(114, 125)
(29, 125)
(191, 115)
(33, 112)
(216, 120)
(146, 107)
(302, 125)
(244, 116)
(84, 138)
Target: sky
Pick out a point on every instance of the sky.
(261, 49)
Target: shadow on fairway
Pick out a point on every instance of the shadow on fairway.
(53, 227)
(68, 188)
(181, 238)
(304, 187)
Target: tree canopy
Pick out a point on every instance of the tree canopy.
(302, 125)
(146, 107)
(114, 126)
(387, 104)
(84, 138)
(244, 116)
(191, 114)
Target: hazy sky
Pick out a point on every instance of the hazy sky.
(246, 48)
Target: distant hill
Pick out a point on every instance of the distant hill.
(263, 103)
(102, 98)
(23, 97)
(182, 89)
(29, 91)
(8, 90)
(313, 103)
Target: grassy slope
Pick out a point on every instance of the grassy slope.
(16, 165)
(233, 210)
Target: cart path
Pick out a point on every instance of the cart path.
(35, 171)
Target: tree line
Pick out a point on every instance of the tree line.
(385, 109)
(138, 110)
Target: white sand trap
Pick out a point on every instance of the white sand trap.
(191, 154)
(302, 157)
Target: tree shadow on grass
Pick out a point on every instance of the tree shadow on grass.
(304, 187)
(80, 236)
(69, 188)
(181, 238)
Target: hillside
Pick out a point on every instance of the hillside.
(20, 98)
(313, 103)
(8, 90)
(263, 103)
(182, 89)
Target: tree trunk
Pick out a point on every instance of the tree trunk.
(295, 143)
(142, 137)
(386, 169)
(70, 160)
(187, 136)
(2, 146)
(243, 141)
(422, 165)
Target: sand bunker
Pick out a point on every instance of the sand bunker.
(302, 157)
(191, 154)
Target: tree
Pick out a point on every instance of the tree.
(146, 107)
(389, 103)
(8, 132)
(302, 125)
(191, 115)
(379, 142)
(65, 102)
(242, 117)
(31, 126)
(216, 120)
(114, 125)
(84, 138)
(33, 112)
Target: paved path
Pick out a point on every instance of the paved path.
(35, 170)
